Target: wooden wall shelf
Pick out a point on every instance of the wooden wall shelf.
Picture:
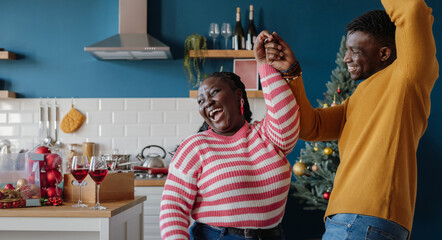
(231, 54)
(250, 94)
(6, 55)
(6, 94)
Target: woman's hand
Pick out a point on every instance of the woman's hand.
(258, 47)
(278, 52)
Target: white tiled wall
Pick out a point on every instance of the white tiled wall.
(126, 124)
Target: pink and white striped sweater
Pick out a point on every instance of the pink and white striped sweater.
(235, 181)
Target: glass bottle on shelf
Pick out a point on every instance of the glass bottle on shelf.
(251, 31)
(238, 40)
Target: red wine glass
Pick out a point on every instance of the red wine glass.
(80, 169)
(98, 171)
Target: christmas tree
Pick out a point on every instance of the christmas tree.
(316, 167)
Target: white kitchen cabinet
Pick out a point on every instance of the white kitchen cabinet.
(151, 210)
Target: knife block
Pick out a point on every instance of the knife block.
(115, 187)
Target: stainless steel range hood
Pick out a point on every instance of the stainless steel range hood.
(132, 42)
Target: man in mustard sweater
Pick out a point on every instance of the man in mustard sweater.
(379, 127)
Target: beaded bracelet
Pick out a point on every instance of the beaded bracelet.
(289, 79)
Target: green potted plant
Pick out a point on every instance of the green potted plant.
(192, 67)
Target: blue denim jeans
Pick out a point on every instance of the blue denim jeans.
(200, 231)
(354, 227)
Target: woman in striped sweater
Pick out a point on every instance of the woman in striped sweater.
(233, 179)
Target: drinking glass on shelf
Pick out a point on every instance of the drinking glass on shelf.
(226, 32)
(214, 33)
(98, 171)
(79, 170)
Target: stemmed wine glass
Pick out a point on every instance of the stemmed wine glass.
(98, 171)
(226, 31)
(80, 169)
(214, 33)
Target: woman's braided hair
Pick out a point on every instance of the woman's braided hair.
(235, 82)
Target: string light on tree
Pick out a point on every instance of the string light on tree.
(316, 147)
(339, 89)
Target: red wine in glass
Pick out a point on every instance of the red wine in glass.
(98, 175)
(80, 174)
(79, 169)
(98, 171)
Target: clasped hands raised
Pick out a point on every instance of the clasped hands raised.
(272, 49)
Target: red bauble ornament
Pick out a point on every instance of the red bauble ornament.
(54, 191)
(53, 161)
(43, 192)
(339, 90)
(326, 195)
(9, 186)
(44, 179)
(42, 149)
(54, 177)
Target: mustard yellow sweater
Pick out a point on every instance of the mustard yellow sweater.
(378, 128)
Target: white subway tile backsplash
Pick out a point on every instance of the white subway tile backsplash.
(9, 131)
(29, 130)
(150, 117)
(3, 117)
(137, 130)
(112, 104)
(86, 104)
(23, 117)
(137, 104)
(176, 117)
(99, 117)
(87, 130)
(31, 105)
(125, 145)
(195, 117)
(129, 124)
(163, 104)
(125, 117)
(185, 130)
(187, 104)
(111, 130)
(163, 130)
(9, 105)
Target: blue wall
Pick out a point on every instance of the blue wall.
(49, 37)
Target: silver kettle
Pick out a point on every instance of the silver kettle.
(152, 160)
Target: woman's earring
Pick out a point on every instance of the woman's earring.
(242, 106)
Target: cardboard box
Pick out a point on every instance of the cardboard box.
(115, 187)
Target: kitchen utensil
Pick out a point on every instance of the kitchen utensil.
(118, 161)
(152, 160)
(57, 142)
(40, 122)
(48, 139)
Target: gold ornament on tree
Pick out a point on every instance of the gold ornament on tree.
(328, 151)
(299, 167)
(316, 147)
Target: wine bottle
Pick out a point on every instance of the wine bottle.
(251, 31)
(238, 40)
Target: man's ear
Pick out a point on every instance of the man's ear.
(385, 53)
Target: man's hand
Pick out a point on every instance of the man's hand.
(278, 52)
